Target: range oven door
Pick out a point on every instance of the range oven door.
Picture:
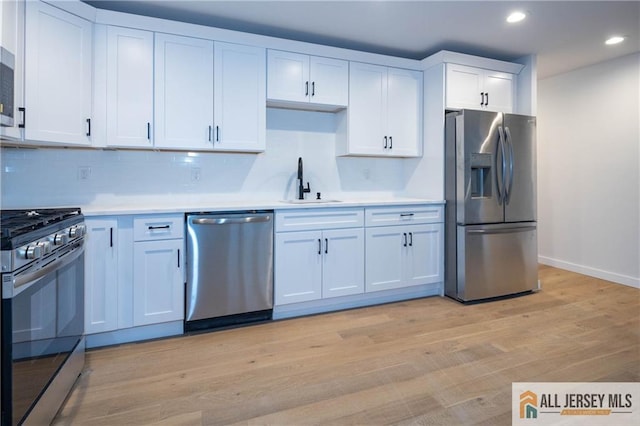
(42, 323)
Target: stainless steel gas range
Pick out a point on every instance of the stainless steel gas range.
(42, 311)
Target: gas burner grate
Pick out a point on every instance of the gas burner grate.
(19, 222)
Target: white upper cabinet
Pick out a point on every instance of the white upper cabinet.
(12, 16)
(296, 80)
(183, 92)
(239, 98)
(129, 87)
(58, 78)
(384, 117)
(477, 88)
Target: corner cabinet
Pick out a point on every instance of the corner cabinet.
(384, 118)
(58, 77)
(306, 82)
(318, 254)
(404, 247)
(477, 88)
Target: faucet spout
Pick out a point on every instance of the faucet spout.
(301, 189)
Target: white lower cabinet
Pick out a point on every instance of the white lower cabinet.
(158, 286)
(134, 276)
(406, 252)
(101, 276)
(319, 263)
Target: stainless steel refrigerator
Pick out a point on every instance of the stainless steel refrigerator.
(491, 244)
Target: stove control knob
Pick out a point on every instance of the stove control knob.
(45, 246)
(60, 239)
(76, 231)
(33, 252)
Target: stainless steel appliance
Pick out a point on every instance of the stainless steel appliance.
(229, 269)
(42, 311)
(490, 189)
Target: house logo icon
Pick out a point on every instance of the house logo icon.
(528, 405)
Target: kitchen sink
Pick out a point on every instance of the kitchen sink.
(312, 201)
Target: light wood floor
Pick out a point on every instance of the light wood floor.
(428, 361)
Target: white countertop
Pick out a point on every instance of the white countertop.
(170, 204)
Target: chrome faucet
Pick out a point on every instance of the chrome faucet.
(301, 189)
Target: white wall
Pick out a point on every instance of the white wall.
(49, 177)
(588, 178)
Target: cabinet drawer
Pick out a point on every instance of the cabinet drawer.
(404, 215)
(158, 227)
(313, 219)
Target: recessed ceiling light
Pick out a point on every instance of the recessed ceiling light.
(516, 17)
(615, 40)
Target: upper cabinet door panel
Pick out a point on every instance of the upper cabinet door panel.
(367, 108)
(129, 87)
(329, 79)
(239, 87)
(404, 116)
(183, 92)
(58, 75)
(499, 89)
(288, 76)
(463, 87)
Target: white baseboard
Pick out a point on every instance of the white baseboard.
(592, 272)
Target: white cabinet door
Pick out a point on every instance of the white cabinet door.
(158, 287)
(476, 88)
(287, 76)
(57, 76)
(101, 276)
(343, 262)
(498, 87)
(183, 92)
(329, 80)
(384, 262)
(367, 109)
(404, 116)
(129, 87)
(239, 88)
(424, 254)
(298, 267)
(463, 87)
(12, 23)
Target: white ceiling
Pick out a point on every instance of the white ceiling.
(564, 34)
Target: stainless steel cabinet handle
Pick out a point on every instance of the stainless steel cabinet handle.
(88, 127)
(406, 214)
(319, 246)
(110, 237)
(210, 128)
(486, 100)
(405, 239)
(410, 239)
(481, 98)
(390, 142)
(313, 88)
(230, 220)
(178, 258)
(217, 133)
(149, 131)
(385, 142)
(306, 88)
(326, 245)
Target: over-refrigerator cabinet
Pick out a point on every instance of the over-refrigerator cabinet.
(490, 188)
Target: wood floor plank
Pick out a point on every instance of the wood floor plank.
(429, 361)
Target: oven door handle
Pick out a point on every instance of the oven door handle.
(22, 282)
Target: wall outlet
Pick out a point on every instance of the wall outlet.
(84, 173)
(196, 174)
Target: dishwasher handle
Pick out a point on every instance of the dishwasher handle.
(231, 220)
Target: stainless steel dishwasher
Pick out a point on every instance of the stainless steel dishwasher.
(229, 269)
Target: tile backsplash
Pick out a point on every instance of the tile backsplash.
(46, 177)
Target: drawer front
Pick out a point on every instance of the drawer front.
(158, 227)
(315, 219)
(403, 215)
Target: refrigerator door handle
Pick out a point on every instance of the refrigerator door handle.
(502, 192)
(510, 146)
(502, 230)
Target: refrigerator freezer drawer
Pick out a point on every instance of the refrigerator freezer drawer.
(496, 260)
